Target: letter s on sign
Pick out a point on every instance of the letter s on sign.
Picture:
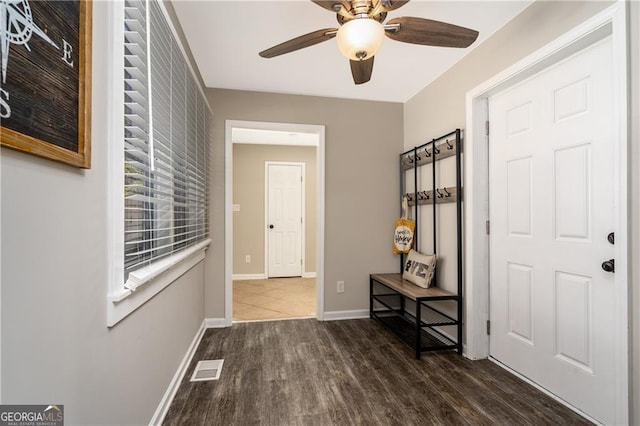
(5, 109)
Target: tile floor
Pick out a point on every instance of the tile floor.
(275, 298)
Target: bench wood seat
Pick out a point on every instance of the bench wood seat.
(410, 290)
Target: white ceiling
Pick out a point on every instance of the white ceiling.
(226, 36)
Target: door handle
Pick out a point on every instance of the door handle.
(609, 266)
(270, 226)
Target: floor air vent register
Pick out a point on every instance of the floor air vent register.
(207, 370)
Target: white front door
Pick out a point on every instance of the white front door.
(551, 210)
(284, 220)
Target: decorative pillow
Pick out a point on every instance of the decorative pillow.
(419, 268)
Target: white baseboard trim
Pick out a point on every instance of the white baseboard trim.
(244, 277)
(170, 393)
(309, 275)
(215, 323)
(343, 315)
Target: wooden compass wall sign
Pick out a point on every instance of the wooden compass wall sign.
(45, 90)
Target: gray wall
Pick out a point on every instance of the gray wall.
(362, 143)
(441, 106)
(56, 347)
(248, 192)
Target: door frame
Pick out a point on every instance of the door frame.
(612, 21)
(318, 131)
(303, 231)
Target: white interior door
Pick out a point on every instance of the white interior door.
(551, 210)
(284, 220)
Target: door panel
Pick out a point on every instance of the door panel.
(551, 209)
(573, 331)
(572, 190)
(519, 288)
(519, 197)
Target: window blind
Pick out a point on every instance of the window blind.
(166, 142)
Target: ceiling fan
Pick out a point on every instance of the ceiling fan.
(362, 30)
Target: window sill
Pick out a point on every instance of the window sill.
(146, 282)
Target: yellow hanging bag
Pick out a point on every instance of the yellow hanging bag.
(403, 235)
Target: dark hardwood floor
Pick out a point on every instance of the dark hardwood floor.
(306, 372)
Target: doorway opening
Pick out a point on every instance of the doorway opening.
(274, 198)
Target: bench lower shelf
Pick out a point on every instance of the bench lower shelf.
(430, 340)
(420, 330)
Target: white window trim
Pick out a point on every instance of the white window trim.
(156, 274)
(145, 283)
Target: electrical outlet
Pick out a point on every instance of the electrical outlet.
(340, 286)
(247, 259)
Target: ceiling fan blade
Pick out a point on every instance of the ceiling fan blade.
(430, 33)
(361, 70)
(299, 42)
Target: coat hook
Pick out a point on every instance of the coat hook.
(436, 150)
(446, 193)
(449, 146)
(427, 153)
(410, 159)
(440, 194)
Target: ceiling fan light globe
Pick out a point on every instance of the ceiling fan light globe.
(360, 39)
